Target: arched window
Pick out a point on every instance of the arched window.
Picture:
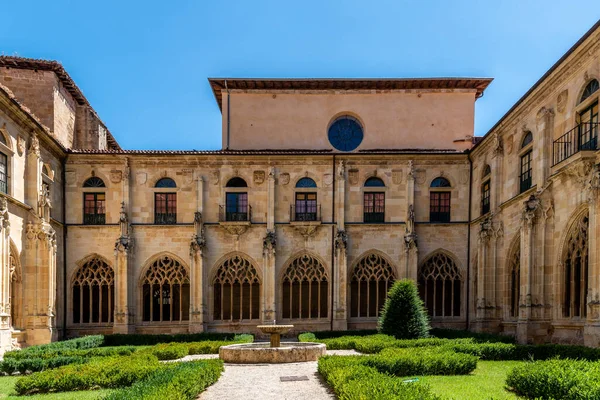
(439, 200)
(94, 182)
(165, 183)
(575, 262)
(371, 279)
(93, 293)
(166, 291)
(236, 202)
(374, 201)
(16, 289)
(236, 289)
(45, 170)
(514, 266)
(3, 172)
(527, 139)
(306, 183)
(236, 182)
(440, 286)
(94, 203)
(485, 190)
(165, 203)
(305, 289)
(591, 88)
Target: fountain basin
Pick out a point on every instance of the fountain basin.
(262, 353)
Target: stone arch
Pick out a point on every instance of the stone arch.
(371, 276)
(305, 285)
(94, 173)
(7, 138)
(512, 268)
(92, 291)
(351, 114)
(16, 287)
(373, 174)
(573, 264)
(233, 275)
(440, 278)
(583, 87)
(446, 177)
(164, 285)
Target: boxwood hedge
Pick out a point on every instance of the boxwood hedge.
(173, 382)
(351, 379)
(556, 379)
(150, 340)
(104, 372)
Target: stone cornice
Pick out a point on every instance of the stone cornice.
(541, 94)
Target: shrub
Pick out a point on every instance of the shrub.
(105, 372)
(52, 353)
(170, 351)
(506, 352)
(173, 382)
(336, 334)
(477, 336)
(86, 342)
(556, 379)
(27, 365)
(403, 315)
(414, 361)
(150, 340)
(351, 379)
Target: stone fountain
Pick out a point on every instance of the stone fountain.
(273, 352)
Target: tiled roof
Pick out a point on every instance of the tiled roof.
(218, 84)
(61, 73)
(264, 152)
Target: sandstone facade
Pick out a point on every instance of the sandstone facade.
(279, 225)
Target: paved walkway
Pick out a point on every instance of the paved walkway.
(264, 382)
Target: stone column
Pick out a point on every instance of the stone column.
(339, 311)
(544, 126)
(269, 245)
(5, 306)
(411, 250)
(124, 319)
(40, 295)
(33, 173)
(483, 242)
(197, 276)
(528, 221)
(591, 332)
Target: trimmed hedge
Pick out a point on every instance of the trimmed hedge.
(105, 372)
(351, 379)
(28, 365)
(336, 334)
(55, 348)
(170, 351)
(212, 347)
(52, 353)
(419, 361)
(506, 352)
(403, 314)
(174, 382)
(476, 336)
(556, 379)
(150, 340)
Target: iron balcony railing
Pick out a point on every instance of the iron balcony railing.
(94, 219)
(165, 218)
(583, 137)
(305, 212)
(235, 214)
(370, 217)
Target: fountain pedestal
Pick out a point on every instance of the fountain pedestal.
(275, 331)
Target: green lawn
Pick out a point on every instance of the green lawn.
(485, 383)
(7, 384)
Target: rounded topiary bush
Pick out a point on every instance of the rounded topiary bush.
(403, 315)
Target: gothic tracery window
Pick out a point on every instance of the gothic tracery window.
(514, 266)
(371, 279)
(305, 289)
(166, 291)
(575, 263)
(93, 293)
(440, 284)
(236, 290)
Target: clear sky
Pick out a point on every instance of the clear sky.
(144, 65)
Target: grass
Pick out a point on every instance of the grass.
(7, 384)
(485, 383)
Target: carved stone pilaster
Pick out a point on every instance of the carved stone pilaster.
(34, 145)
(530, 208)
(4, 222)
(341, 240)
(198, 243)
(124, 243)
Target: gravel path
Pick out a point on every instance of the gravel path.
(263, 382)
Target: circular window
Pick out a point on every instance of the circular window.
(345, 134)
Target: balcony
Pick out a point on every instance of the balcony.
(581, 138)
(165, 218)
(236, 214)
(305, 213)
(94, 219)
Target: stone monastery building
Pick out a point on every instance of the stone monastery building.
(325, 192)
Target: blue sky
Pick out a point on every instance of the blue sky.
(144, 65)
